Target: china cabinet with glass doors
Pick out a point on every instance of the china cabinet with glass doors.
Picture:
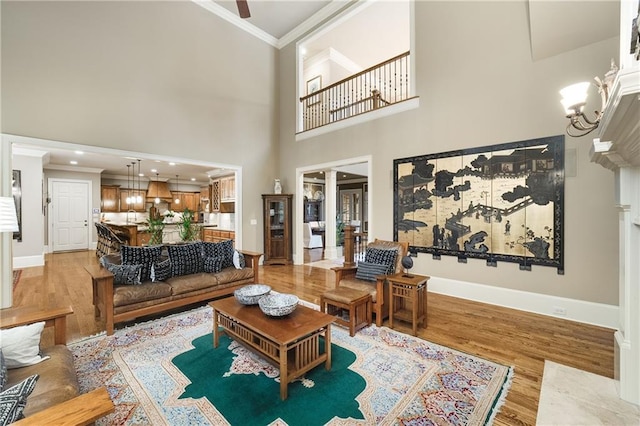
(277, 229)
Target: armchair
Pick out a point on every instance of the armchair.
(379, 289)
(310, 239)
(55, 398)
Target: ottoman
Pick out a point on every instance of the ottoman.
(356, 303)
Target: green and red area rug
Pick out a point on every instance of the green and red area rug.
(167, 372)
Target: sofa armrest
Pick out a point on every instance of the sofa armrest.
(252, 260)
(52, 317)
(81, 410)
(102, 287)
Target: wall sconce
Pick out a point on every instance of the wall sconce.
(574, 98)
(8, 216)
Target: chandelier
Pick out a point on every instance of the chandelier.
(574, 99)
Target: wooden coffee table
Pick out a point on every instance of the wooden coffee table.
(292, 342)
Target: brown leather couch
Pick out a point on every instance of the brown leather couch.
(119, 303)
(56, 397)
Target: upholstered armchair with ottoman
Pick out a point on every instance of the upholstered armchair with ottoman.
(39, 385)
(382, 258)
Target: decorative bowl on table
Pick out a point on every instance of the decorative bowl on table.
(251, 294)
(278, 305)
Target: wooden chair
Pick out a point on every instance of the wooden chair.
(379, 290)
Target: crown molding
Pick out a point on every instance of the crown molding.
(72, 168)
(304, 27)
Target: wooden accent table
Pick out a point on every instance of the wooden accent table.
(357, 303)
(292, 343)
(405, 290)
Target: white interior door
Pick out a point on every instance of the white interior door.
(69, 210)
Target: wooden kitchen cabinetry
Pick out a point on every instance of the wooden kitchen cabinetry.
(277, 229)
(216, 235)
(214, 202)
(228, 189)
(188, 200)
(135, 206)
(110, 198)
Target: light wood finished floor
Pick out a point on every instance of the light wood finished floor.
(506, 336)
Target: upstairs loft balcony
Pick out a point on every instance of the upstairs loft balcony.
(377, 87)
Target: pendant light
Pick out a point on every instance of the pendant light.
(128, 187)
(157, 200)
(139, 196)
(177, 200)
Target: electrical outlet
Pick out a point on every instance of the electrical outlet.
(559, 310)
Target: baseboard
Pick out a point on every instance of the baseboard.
(28, 261)
(575, 310)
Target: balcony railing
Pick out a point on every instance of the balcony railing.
(381, 85)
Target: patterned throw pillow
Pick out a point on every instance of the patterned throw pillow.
(161, 271)
(3, 371)
(382, 257)
(185, 259)
(369, 271)
(238, 260)
(213, 264)
(125, 274)
(223, 249)
(14, 399)
(144, 256)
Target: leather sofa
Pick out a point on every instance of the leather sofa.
(119, 303)
(56, 397)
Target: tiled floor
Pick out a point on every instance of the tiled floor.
(575, 397)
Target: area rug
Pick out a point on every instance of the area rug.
(167, 372)
(16, 277)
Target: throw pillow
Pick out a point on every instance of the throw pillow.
(14, 399)
(125, 274)
(369, 271)
(21, 345)
(185, 259)
(144, 256)
(213, 264)
(238, 260)
(222, 249)
(3, 371)
(382, 257)
(161, 271)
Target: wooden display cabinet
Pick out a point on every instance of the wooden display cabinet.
(277, 229)
(110, 198)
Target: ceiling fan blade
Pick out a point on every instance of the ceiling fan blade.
(243, 8)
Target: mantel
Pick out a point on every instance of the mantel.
(619, 142)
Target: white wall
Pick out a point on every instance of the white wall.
(30, 251)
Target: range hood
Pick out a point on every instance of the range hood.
(160, 190)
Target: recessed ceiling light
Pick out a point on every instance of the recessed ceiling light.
(154, 171)
(193, 179)
(140, 174)
(172, 164)
(79, 152)
(74, 162)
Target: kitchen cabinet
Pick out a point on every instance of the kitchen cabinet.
(228, 189)
(205, 197)
(216, 235)
(109, 198)
(214, 202)
(188, 200)
(277, 229)
(133, 206)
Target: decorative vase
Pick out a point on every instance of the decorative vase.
(277, 188)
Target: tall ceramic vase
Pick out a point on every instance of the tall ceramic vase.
(277, 188)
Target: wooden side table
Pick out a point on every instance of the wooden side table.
(408, 299)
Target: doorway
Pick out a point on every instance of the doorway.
(69, 214)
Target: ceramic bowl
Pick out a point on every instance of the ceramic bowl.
(251, 294)
(278, 305)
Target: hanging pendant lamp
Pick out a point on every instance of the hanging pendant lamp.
(139, 196)
(128, 187)
(177, 200)
(157, 200)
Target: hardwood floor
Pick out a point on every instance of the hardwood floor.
(506, 336)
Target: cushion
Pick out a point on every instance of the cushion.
(213, 264)
(222, 249)
(185, 259)
(125, 274)
(369, 271)
(161, 271)
(14, 399)
(21, 345)
(3, 371)
(382, 257)
(144, 256)
(238, 260)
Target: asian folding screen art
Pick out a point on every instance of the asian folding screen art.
(498, 203)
